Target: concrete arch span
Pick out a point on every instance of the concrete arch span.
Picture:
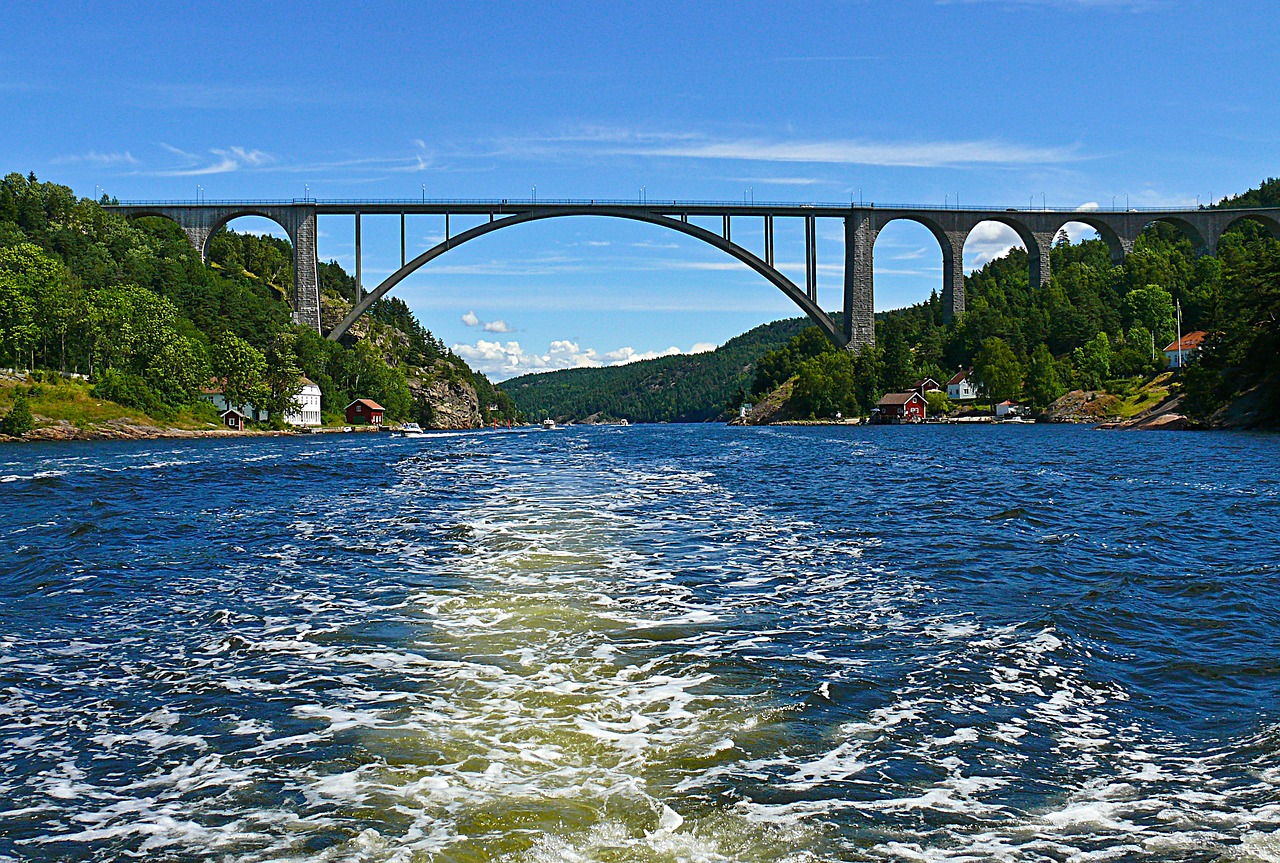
(770, 273)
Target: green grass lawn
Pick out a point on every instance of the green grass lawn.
(73, 401)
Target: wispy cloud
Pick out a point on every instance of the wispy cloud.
(906, 154)
(828, 58)
(215, 161)
(1113, 5)
(778, 181)
(93, 157)
(206, 96)
(614, 142)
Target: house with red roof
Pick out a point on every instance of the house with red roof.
(901, 408)
(1179, 353)
(365, 411)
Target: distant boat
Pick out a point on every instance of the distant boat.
(548, 424)
(623, 423)
(411, 430)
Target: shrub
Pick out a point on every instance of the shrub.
(18, 421)
(128, 390)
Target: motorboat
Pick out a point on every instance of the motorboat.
(548, 424)
(411, 430)
(623, 422)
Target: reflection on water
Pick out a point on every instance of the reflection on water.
(651, 644)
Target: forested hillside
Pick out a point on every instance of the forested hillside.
(130, 305)
(1094, 327)
(681, 388)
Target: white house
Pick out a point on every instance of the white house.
(961, 388)
(1188, 349)
(1008, 408)
(308, 412)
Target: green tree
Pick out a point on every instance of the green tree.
(241, 370)
(998, 370)
(825, 385)
(1151, 307)
(1044, 385)
(283, 381)
(899, 372)
(18, 421)
(1093, 362)
(938, 403)
(18, 330)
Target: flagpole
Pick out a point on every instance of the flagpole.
(1179, 334)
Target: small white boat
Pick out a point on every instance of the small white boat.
(548, 424)
(411, 430)
(623, 423)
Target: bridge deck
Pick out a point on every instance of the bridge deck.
(485, 206)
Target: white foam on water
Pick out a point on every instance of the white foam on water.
(606, 662)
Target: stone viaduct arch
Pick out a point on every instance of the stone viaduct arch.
(950, 227)
(200, 222)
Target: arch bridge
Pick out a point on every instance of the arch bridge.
(1037, 229)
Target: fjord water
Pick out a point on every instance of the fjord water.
(643, 644)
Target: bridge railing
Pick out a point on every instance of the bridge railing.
(647, 203)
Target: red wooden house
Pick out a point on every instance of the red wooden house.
(902, 408)
(233, 419)
(365, 411)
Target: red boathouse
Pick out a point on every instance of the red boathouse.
(365, 411)
(902, 408)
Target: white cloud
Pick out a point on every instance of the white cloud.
(988, 241)
(778, 181)
(471, 319)
(932, 154)
(216, 161)
(502, 360)
(915, 154)
(93, 157)
(1117, 5)
(622, 356)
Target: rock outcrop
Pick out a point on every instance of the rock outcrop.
(773, 408)
(445, 402)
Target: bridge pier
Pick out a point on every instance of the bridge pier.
(953, 275)
(1038, 249)
(859, 281)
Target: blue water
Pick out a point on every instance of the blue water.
(650, 643)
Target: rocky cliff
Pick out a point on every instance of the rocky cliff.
(445, 402)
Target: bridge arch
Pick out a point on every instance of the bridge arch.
(1105, 231)
(1272, 226)
(225, 218)
(951, 261)
(1200, 244)
(770, 273)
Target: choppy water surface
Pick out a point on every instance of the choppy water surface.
(644, 644)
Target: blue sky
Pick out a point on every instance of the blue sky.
(1075, 102)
